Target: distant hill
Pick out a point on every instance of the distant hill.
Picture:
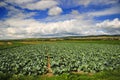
(91, 37)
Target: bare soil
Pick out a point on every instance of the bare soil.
(1, 43)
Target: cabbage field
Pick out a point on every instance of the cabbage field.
(62, 57)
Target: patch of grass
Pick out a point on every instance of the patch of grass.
(7, 45)
(108, 75)
(104, 75)
(11, 44)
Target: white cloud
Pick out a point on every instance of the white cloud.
(2, 4)
(104, 2)
(54, 11)
(84, 2)
(97, 2)
(26, 28)
(19, 1)
(21, 24)
(34, 4)
(46, 4)
(108, 11)
(110, 27)
(110, 24)
(16, 13)
(41, 5)
(33, 28)
(74, 14)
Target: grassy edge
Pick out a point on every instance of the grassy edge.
(103, 75)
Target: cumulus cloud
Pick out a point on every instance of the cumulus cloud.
(28, 28)
(107, 23)
(33, 28)
(110, 27)
(55, 11)
(21, 24)
(74, 14)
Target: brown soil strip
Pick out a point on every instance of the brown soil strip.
(2, 43)
(81, 72)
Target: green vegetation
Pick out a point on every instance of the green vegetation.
(9, 44)
(104, 75)
(97, 60)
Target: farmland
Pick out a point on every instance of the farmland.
(60, 57)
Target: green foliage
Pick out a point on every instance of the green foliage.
(65, 57)
(104, 75)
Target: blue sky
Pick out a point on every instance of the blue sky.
(57, 18)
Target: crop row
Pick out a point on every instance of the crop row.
(64, 57)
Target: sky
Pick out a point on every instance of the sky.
(58, 18)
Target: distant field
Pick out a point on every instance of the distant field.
(75, 59)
